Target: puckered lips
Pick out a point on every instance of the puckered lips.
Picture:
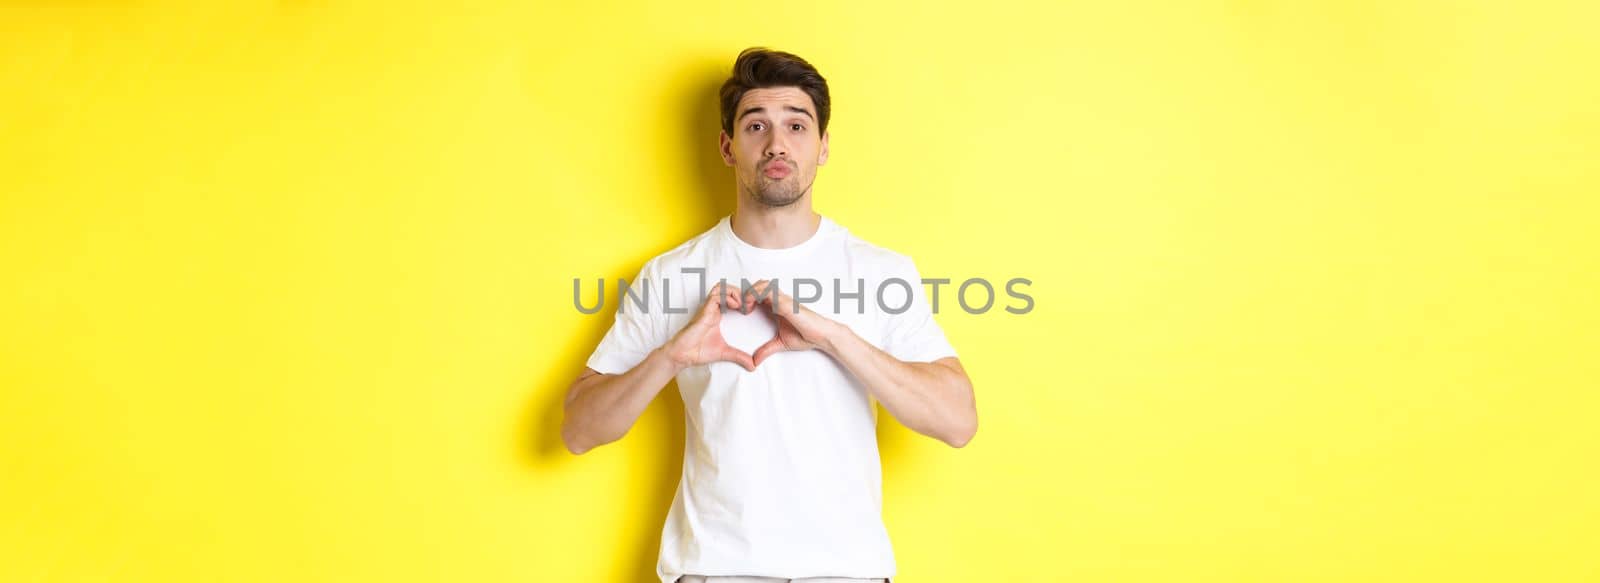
(776, 170)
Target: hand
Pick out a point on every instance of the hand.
(799, 328)
(701, 341)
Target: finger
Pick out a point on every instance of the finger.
(785, 304)
(774, 298)
(772, 347)
(731, 297)
(780, 305)
(754, 296)
(718, 297)
(747, 298)
(711, 300)
(738, 357)
(724, 351)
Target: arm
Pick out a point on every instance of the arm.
(932, 398)
(601, 408)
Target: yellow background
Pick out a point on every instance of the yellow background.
(287, 286)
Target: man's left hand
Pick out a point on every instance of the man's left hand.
(799, 328)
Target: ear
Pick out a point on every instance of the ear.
(822, 158)
(725, 146)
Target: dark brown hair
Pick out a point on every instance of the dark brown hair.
(761, 68)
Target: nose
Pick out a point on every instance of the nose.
(776, 147)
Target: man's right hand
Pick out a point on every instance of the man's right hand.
(701, 341)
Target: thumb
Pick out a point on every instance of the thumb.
(772, 347)
(738, 357)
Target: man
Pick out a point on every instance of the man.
(781, 478)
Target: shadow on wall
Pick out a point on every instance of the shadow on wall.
(662, 423)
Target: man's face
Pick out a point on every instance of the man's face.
(775, 148)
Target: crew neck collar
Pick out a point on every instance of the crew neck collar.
(824, 226)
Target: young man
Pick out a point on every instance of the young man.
(781, 477)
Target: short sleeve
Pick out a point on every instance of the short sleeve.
(635, 332)
(912, 335)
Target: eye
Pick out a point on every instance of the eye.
(798, 127)
(756, 126)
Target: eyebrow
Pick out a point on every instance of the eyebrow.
(763, 110)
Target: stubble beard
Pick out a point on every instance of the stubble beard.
(776, 193)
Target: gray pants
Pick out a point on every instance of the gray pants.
(742, 579)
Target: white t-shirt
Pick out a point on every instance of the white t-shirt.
(781, 476)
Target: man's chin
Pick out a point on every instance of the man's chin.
(776, 199)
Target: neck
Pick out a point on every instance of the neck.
(775, 228)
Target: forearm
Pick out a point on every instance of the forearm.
(930, 398)
(601, 408)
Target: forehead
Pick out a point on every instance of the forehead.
(775, 98)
